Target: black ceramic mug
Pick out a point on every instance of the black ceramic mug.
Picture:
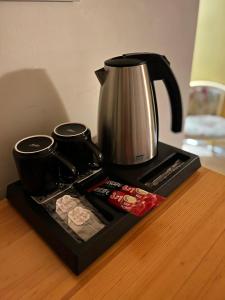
(39, 164)
(74, 142)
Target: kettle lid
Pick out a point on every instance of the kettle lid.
(123, 61)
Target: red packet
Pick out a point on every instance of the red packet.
(142, 194)
(131, 199)
(134, 191)
(131, 204)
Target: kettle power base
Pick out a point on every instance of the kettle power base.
(165, 172)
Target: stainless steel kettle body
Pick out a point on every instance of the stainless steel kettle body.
(127, 116)
(127, 127)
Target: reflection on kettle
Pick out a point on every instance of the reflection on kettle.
(128, 116)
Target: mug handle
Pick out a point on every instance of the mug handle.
(65, 162)
(96, 152)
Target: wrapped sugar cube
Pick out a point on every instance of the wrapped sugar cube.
(64, 205)
(84, 222)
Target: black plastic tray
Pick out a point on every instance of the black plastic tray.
(79, 255)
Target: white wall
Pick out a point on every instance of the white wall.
(49, 51)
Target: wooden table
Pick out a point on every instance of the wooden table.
(176, 252)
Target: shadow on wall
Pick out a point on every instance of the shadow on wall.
(30, 104)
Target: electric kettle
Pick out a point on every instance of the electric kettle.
(128, 123)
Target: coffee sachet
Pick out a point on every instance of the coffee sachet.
(134, 191)
(131, 199)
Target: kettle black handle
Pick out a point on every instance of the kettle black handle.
(159, 69)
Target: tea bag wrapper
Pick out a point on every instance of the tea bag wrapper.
(84, 222)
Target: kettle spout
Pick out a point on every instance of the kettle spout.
(101, 75)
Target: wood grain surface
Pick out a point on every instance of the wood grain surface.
(176, 252)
